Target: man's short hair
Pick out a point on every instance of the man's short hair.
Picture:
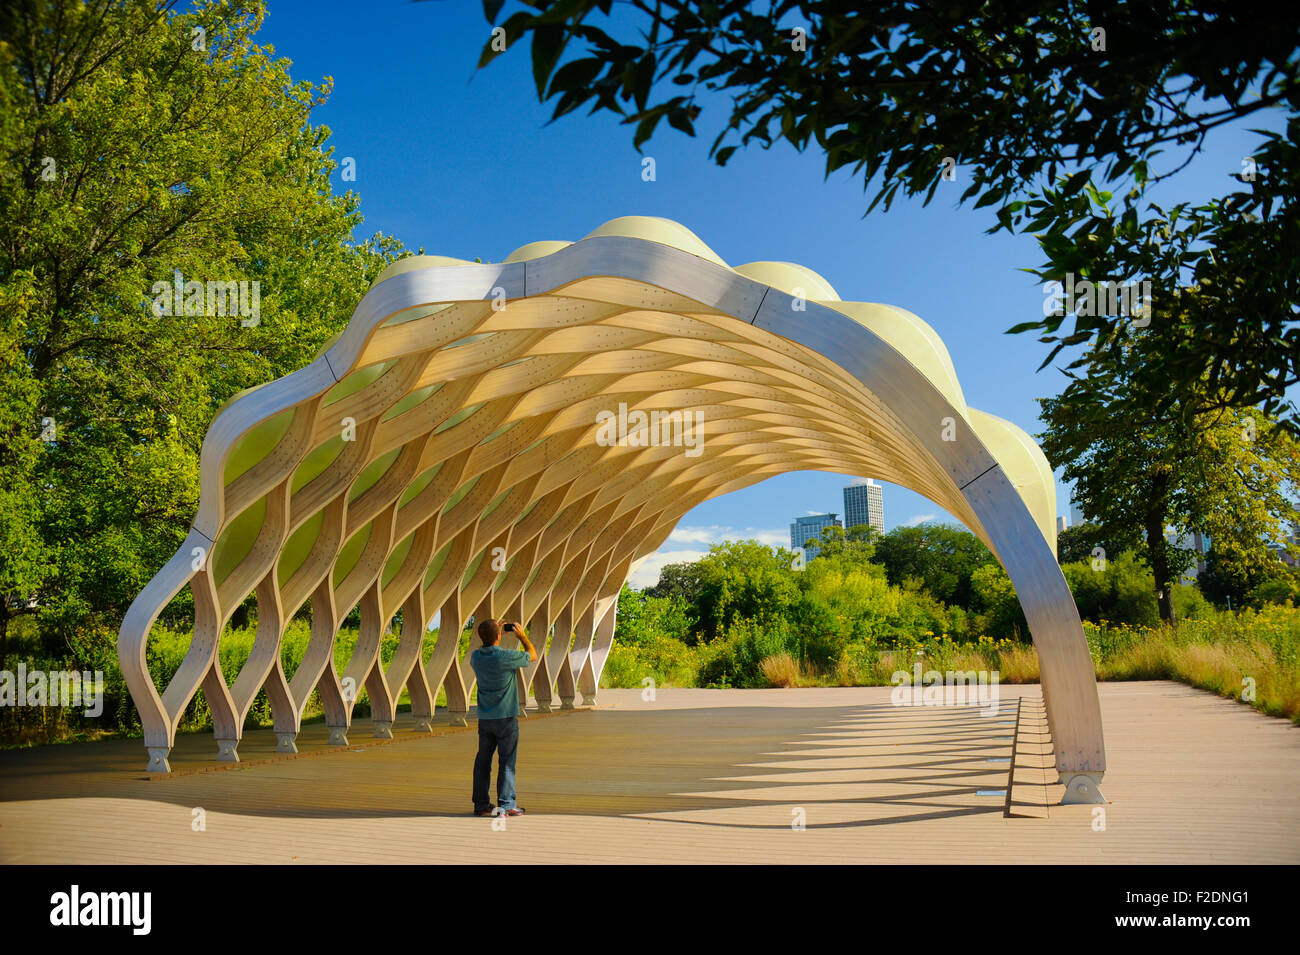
(489, 631)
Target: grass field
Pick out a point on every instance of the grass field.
(1251, 656)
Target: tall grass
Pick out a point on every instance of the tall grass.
(96, 649)
(1252, 656)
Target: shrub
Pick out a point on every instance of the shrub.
(735, 659)
(783, 670)
(1123, 591)
(667, 661)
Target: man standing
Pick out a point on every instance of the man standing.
(498, 713)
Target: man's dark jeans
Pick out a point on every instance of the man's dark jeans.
(503, 737)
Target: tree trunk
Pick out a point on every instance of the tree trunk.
(1159, 558)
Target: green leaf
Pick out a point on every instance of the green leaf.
(640, 78)
(576, 75)
(548, 44)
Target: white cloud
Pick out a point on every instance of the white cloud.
(772, 538)
(716, 534)
(916, 519)
(698, 535)
(647, 574)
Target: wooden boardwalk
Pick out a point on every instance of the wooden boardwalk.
(693, 776)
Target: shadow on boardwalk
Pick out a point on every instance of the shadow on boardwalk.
(876, 764)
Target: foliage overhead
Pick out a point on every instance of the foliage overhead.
(1140, 472)
(141, 144)
(1016, 106)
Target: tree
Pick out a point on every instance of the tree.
(1078, 543)
(744, 580)
(942, 558)
(643, 619)
(1118, 589)
(1221, 283)
(1279, 589)
(1144, 472)
(994, 601)
(855, 544)
(677, 580)
(1000, 99)
(1227, 579)
(145, 148)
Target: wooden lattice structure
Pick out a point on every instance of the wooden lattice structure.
(443, 454)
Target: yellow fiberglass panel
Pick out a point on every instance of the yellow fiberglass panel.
(256, 443)
(298, 547)
(797, 280)
(236, 541)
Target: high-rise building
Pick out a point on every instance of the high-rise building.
(1062, 524)
(1076, 514)
(865, 504)
(810, 528)
(1194, 542)
(1281, 551)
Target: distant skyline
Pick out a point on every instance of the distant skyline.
(805, 530)
(466, 164)
(864, 504)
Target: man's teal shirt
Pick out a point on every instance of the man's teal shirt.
(498, 694)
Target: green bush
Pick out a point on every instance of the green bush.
(997, 608)
(663, 659)
(1120, 591)
(91, 646)
(735, 659)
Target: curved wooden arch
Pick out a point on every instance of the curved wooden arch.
(442, 457)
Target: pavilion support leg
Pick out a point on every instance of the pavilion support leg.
(226, 723)
(457, 696)
(158, 759)
(522, 692)
(607, 609)
(1082, 789)
(564, 685)
(338, 735)
(542, 687)
(538, 675)
(286, 742)
(383, 729)
(1066, 671)
(421, 700)
(443, 669)
(587, 682)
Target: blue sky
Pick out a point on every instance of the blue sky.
(463, 163)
